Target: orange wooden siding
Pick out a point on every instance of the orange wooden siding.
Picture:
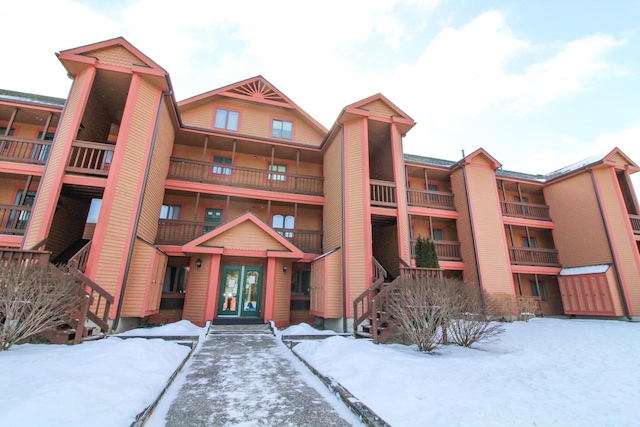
(196, 295)
(465, 235)
(587, 294)
(117, 56)
(333, 207)
(246, 236)
(379, 108)
(281, 308)
(144, 284)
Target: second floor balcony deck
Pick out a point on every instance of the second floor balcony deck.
(525, 210)
(635, 223)
(534, 256)
(14, 219)
(447, 251)
(383, 194)
(179, 232)
(230, 175)
(24, 150)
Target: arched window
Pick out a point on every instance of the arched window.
(281, 223)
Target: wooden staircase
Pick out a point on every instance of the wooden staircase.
(370, 317)
(90, 321)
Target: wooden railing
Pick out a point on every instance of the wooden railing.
(430, 199)
(90, 158)
(446, 250)
(525, 210)
(383, 193)
(305, 240)
(19, 255)
(99, 301)
(362, 304)
(635, 223)
(23, 150)
(14, 219)
(213, 173)
(79, 260)
(415, 273)
(534, 256)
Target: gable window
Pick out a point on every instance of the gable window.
(221, 160)
(170, 212)
(282, 129)
(226, 119)
(538, 290)
(277, 168)
(281, 223)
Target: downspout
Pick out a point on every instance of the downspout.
(344, 252)
(625, 306)
(137, 218)
(473, 232)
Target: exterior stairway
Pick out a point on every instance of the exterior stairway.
(370, 317)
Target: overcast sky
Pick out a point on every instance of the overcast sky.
(538, 84)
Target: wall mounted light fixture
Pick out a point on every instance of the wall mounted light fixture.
(198, 263)
(284, 269)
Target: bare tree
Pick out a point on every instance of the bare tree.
(33, 298)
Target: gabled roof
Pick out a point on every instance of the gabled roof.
(362, 104)
(481, 152)
(609, 158)
(90, 50)
(255, 89)
(206, 243)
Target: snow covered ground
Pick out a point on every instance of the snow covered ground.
(547, 372)
(100, 383)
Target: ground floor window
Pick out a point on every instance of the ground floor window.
(175, 279)
(538, 290)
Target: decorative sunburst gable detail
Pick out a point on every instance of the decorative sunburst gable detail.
(257, 89)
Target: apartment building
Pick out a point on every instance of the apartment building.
(237, 206)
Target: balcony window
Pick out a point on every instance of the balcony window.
(94, 211)
(220, 160)
(437, 234)
(23, 216)
(284, 222)
(282, 129)
(226, 119)
(277, 168)
(538, 290)
(170, 212)
(529, 242)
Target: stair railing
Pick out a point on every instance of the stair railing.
(362, 307)
(79, 260)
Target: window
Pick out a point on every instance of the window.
(226, 119)
(529, 242)
(41, 151)
(19, 222)
(278, 168)
(282, 222)
(438, 234)
(282, 129)
(538, 290)
(301, 283)
(94, 211)
(526, 210)
(170, 212)
(221, 160)
(213, 216)
(175, 279)
(433, 197)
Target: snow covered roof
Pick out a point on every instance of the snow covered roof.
(428, 161)
(30, 98)
(575, 166)
(587, 269)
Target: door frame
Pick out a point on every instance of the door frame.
(240, 296)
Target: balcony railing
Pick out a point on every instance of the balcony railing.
(23, 150)
(635, 223)
(383, 193)
(14, 219)
(413, 273)
(534, 256)
(213, 173)
(446, 250)
(90, 158)
(525, 210)
(430, 199)
(179, 232)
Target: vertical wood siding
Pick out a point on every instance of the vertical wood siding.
(318, 284)
(463, 224)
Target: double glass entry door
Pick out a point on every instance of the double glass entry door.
(240, 291)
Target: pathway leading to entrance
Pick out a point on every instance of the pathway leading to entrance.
(250, 379)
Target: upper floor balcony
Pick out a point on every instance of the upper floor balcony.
(635, 223)
(14, 219)
(525, 210)
(523, 200)
(246, 177)
(446, 250)
(430, 199)
(534, 256)
(24, 150)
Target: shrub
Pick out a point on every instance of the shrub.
(33, 298)
(527, 307)
(426, 253)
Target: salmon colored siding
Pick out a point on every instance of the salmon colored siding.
(195, 298)
(117, 56)
(318, 285)
(402, 239)
(380, 109)
(246, 236)
(493, 256)
(51, 181)
(199, 116)
(333, 290)
(124, 191)
(579, 233)
(333, 209)
(281, 308)
(620, 231)
(154, 192)
(138, 280)
(465, 235)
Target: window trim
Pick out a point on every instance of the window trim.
(227, 110)
(276, 177)
(222, 167)
(285, 217)
(283, 121)
(172, 205)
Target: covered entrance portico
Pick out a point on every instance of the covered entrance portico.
(239, 274)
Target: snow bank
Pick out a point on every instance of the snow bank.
(181, 328)
(303, 329)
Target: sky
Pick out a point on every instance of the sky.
(538, 84)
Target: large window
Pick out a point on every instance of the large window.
(278, 168)
(94, 211)
(438, 234)
(175, 279)
(529, 242)
(538, 290)
(221, 160)
(170, 212)
(282, 129)
(40, 151)
(284, 222)
(226, 119)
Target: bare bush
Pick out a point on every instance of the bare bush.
(33, 298)
(527, 307)
(502, 306)
(470, 321)
(419, 309)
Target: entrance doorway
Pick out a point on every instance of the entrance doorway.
(240, 291)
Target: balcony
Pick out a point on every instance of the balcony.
(179, 232)
(229, 175)
(90, 158)
(534, 256)
(14, 219)
(525, 210)
(383, 193)
(447, 251)
(23, 150)
(635, 223)
(430, 199)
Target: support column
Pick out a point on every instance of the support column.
(270, 289)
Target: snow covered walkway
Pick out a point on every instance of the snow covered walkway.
(248, 380)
